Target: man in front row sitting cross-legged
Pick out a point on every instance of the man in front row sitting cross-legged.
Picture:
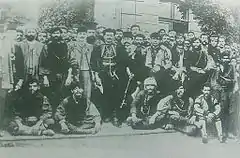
(144, 106)
(207, 110)
(177, 110)
(76, 114)
(32, 113)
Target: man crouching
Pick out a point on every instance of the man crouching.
(177, 111)
(78, 115)
(207, 110)
(144, 106)
(32, 113)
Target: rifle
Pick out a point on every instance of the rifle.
(125, 93)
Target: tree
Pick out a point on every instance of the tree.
(67, 12)
(211, 17)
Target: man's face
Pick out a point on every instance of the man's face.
(227, 48)
(108, 37)
(180, 91)
(155, 41)
(191, 36)
(82, 36)
(206, 91)
(180, 39)
(77, 92)
(165, 39)
(150, 88)
(214, 42)
(138, 41)
(204, 40)
(33, 87)
(100, 31)
(56, 35)
(221, 42)
(196, 44)
(162, 32)
(127, 39)
(42, 37)
(135, 31)
(19, 36)
(91, 33)
(187, 45)
(64, 34)
(31, 34)
(172, 33)
(119, 35)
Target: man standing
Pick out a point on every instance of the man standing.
(81, 51)
(77, 114)
(106, 62)
(28, 57)
(56, 67)
(226, 80)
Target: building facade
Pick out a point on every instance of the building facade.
(150, 14)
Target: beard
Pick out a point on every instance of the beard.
(30, 37)
(56, 38)
(198, 48)
(91, 39)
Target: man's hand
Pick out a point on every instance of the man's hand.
(98, 80)
(64, 128)
(192, 120)
(98, 127)
(152, 120)
(46, 81)
(201, 71)
(19, 85)
(68, 81)
(134, 118)
(210, 117)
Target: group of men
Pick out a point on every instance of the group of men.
(73, 80)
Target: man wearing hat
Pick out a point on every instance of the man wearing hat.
(144, 106)
(107, 63)
(81, 51)
(177, 111)
(159, 62)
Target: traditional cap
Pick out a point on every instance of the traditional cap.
(150, 81)
(154, 35)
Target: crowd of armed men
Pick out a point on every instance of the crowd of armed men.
(74, 80)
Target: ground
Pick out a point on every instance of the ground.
(141, 144)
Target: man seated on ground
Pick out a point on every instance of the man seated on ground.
(207, 110)
(32, 113)
(78, 115)
(176, 110)
(144, 106)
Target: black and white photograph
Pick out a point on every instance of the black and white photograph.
(119, 78)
